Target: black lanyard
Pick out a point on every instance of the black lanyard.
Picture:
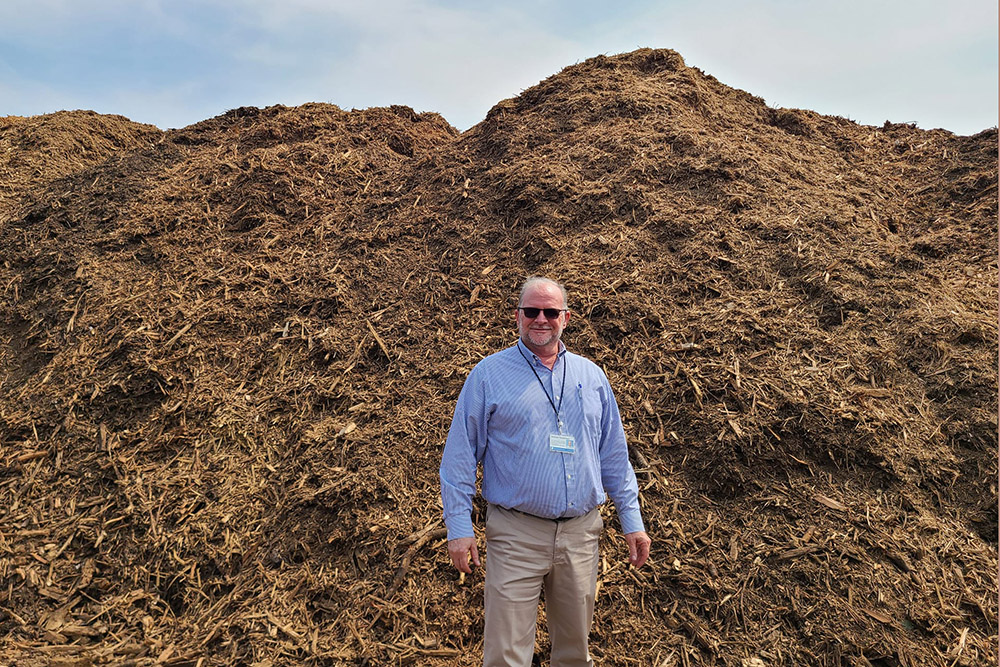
(562, 392)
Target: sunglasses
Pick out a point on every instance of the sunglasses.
(550, 313)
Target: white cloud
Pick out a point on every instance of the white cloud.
(903, 60)
(458, 62)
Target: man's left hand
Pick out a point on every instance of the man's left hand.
(638, 547)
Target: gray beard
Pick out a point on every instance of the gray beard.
(551, 338)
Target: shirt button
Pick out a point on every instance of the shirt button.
(569, 476)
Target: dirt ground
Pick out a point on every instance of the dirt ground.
(229, 355)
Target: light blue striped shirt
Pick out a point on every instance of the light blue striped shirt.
(503, 421)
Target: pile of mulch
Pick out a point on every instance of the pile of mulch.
(35, 151)
(231, 353)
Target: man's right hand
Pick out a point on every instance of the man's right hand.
(459, 550)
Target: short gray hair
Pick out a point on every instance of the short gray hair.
(538, 280)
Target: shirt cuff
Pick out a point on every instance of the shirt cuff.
(459, 526)
(631, 522)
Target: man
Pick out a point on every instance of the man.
(544, 424)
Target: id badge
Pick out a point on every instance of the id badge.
(565, 444)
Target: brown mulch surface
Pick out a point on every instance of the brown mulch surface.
(229, 355)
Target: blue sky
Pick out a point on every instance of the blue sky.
(175, 62)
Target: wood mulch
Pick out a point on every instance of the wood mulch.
(229, 355)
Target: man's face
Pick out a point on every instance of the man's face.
(541, 331)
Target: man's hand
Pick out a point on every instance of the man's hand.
(638, 547)
(460, 548)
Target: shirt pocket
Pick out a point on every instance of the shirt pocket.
(593, 411)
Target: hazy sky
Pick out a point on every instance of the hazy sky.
(175, 62)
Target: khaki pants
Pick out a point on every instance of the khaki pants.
(523, 554)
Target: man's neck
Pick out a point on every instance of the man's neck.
(547, 355)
